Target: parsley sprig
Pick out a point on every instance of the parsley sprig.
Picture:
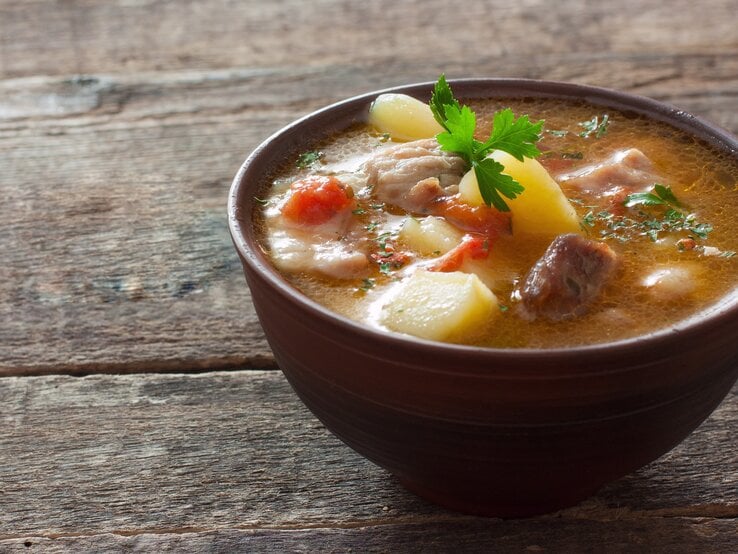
(517, 137)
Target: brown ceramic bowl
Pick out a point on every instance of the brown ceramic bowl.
(488, 431)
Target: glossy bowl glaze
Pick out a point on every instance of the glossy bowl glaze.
(488, 431)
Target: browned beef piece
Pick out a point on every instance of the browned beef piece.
(413, 174)
(567, 278)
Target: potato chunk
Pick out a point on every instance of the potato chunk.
(429, 235)
(405, 118)
(540, 209)
(436, 306)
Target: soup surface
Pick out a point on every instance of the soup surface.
(640, 257)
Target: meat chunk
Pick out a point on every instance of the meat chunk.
(567, 278)
(313, 230)
(296, 251)
(412, 175)
(626, 170)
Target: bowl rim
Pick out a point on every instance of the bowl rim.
(289, 137)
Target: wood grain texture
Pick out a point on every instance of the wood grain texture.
(226, 459)
(655, 536)
(42, 37)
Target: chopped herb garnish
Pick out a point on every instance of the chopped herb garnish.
(572, 155)
(308, 159)
(382, 240)
(517, 137)
(384, 137)
(358, 211)
(561, 133)
(595, 125)
(661, 196)
(371, 226)
(659, 212)
(503, 307)
(367, 284)
(701, 230)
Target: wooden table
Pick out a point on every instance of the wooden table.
(140, 405)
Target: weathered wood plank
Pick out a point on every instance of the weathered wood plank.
(132, 455)
(122, 255)
(655, 536)
(113, 196)
(283, 92)
(84, 36)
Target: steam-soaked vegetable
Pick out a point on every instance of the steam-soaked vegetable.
(437, 305)
(403, 117)
(542, 209)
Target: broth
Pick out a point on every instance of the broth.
(696, 260)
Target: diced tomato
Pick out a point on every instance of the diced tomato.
(484, 220)
(475, 247)
(316, 199)
(388, 257)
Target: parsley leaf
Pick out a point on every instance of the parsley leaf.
(661, 196)
(517, 137)
(440, 98)
(459, 137)
(489, 172)
(594, 125)
(308, 159)
(666, 194)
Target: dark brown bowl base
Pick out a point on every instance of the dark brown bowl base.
(496, 470)
(527, 472)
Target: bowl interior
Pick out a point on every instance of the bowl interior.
(301, 134)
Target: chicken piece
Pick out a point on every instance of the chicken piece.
(414, 174)
(313, 230)
(626, 170)
(297, 251)
(569, 275)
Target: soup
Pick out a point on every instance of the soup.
(625, 226)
